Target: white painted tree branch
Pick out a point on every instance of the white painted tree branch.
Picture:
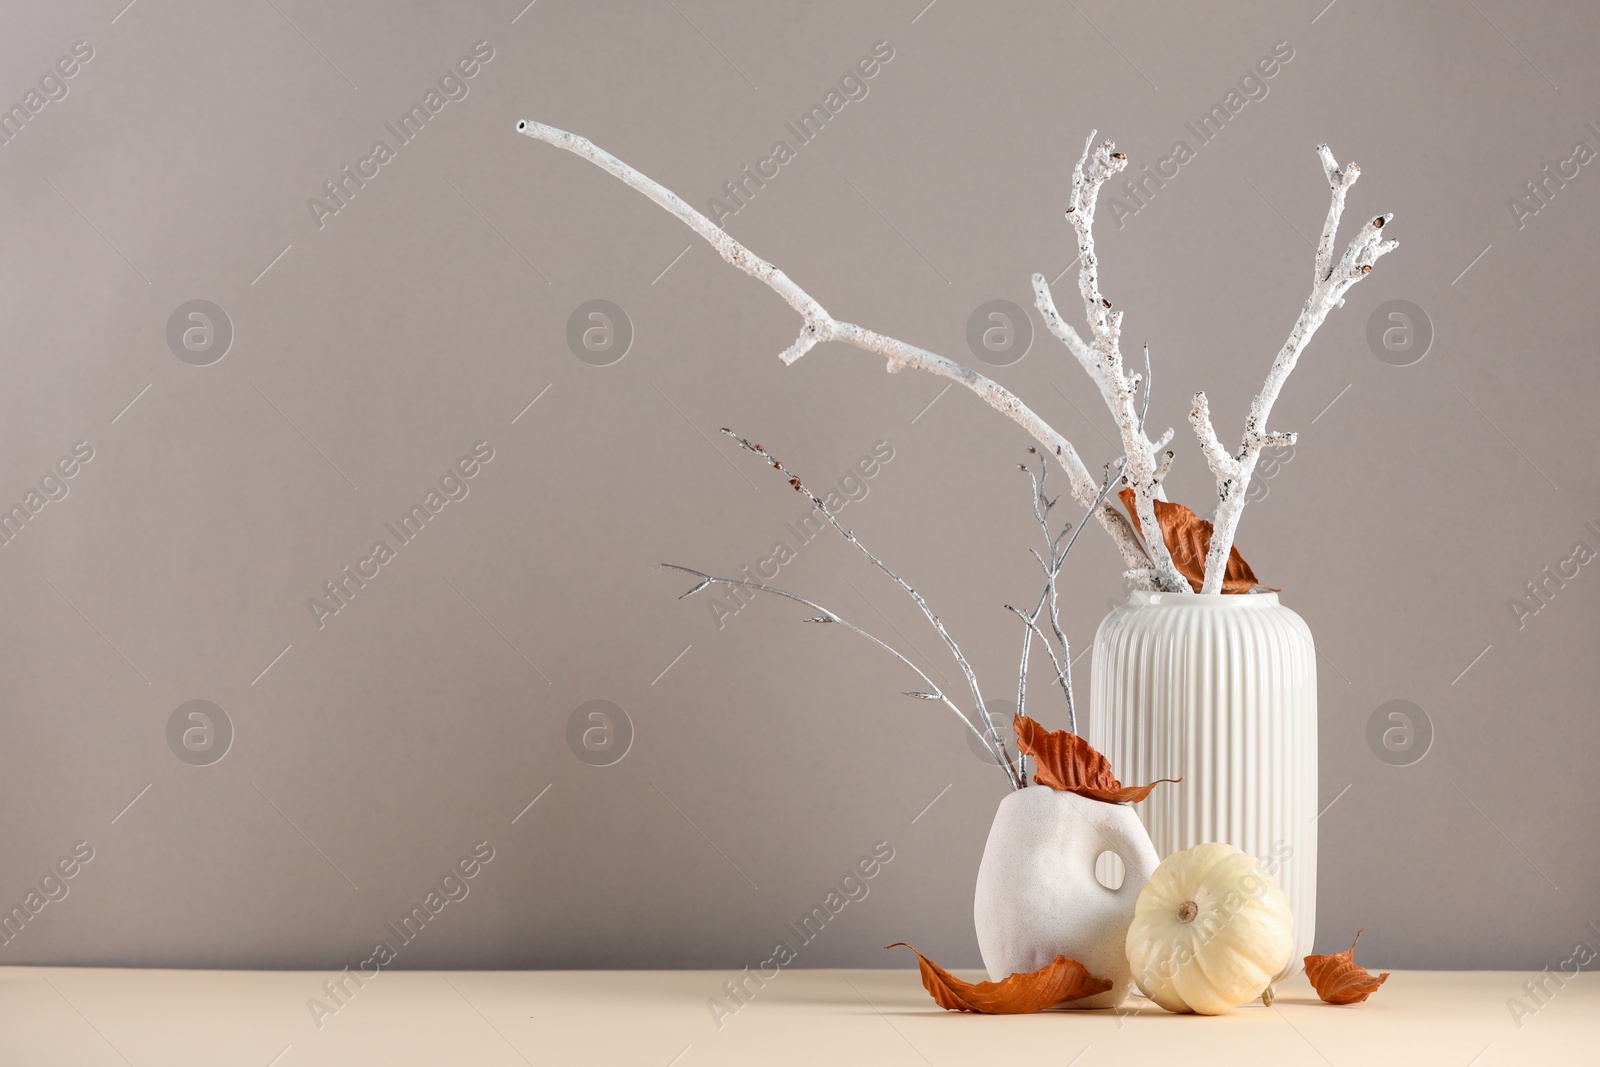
(1329, 282)
(1103, 358)
(1063, 331)
(1086, 356)
(1339, 183)
(1218, 458)
(819, 326)
(1145, 462)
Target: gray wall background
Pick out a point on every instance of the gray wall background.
(370, 754)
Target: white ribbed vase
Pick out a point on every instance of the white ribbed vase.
(1220, 690)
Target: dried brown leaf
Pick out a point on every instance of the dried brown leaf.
(1188, 539)
(1339, 979)
(1054, 983)
(1067, 762)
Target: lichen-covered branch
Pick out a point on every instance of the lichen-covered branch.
(1330, 280)
(818, 326)
(1222, 463)
(1145, 462)
(1102, 357)
(1064, 332)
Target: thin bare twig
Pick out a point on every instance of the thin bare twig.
(825, 615)
(1042, 505)
(922, 604)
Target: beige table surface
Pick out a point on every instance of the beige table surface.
(89, 1016)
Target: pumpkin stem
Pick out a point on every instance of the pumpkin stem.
(1268, 996)
(1187, 911)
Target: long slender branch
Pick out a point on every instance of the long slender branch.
(819, 326)
(927, 612)
(1330, 281)
(933, 691)
(1147, 558)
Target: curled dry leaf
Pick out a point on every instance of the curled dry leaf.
(1339, 979)
(1188, 538)
(1067, 762)
(1054, 983)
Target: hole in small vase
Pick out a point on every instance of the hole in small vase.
(1109, 870)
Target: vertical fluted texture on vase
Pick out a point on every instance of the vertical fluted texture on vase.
(1222, 691)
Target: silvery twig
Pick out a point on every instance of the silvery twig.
(1048, 596)
(933, 692)
(927, 612)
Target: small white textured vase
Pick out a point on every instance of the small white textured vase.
(1220, 690)
(1038, 898)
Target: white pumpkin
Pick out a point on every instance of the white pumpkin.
(1210, 931)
